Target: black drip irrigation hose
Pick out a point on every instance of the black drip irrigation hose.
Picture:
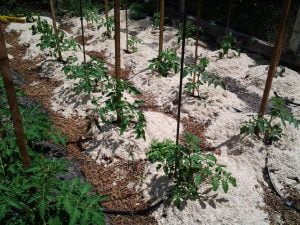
(287, 201)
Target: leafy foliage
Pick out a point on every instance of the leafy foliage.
(38, 195)
(165, 62)
(271, 129)
(190, 30)
(90, 75)
(115, 101)
(156, 20)
(49, 40)
(132, 42)
(189, 168)
(202, 77)
(93, 77)
(228, 43)
(110, 26)
(92, 16)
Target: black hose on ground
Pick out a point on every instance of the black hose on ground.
(287, 201)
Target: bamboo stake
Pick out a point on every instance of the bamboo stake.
(117, 52)
(181, 69)
(197, 39)
(275, 59)
(161, 25)
(12, 101)
(55, 30)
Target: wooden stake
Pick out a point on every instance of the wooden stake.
(12, 101)
(181, 69)
(275, 58)
(228, 18)
(106, 14)
(161, 25)
(126, 19)
(55, 30)
(117, 52)
(197, 39)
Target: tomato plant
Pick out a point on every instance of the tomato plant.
(188, 167)
(165, 63)
(269, 128)
(201, 77)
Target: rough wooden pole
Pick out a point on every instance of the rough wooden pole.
(126, 29)
(181, 70)
(197, 39)
(228, 17)
(275, 58)
(12, 101)
(106, 14)
(161, 25)
(55, 30)
(117, 52)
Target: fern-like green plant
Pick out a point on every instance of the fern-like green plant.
(188, 167)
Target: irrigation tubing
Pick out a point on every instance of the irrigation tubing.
(181, 69)
(287, 201)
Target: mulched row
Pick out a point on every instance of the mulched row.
(107, 179)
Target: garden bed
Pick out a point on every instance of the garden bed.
(115, 164)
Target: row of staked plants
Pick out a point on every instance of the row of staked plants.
(40, 194)
(185, 164)
(93, 77)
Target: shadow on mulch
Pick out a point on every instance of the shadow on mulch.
(86, 39)
(125, 73)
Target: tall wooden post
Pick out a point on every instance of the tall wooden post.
(106, 14)
(197, 38)
(275, 58)
(161, 25)
(181, 69)
(126, 20)
(228, 17)
(12, 101)
(55, 30)
(117, 53)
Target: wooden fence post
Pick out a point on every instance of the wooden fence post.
(12, 101)
(275, 59)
